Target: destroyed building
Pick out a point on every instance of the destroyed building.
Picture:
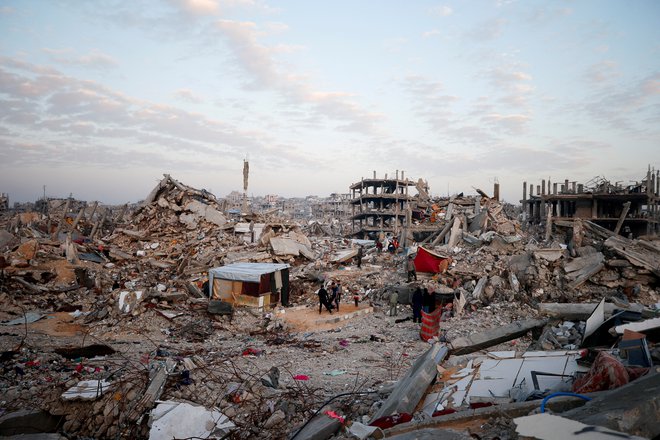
(336, 206)
(381, 205)
(109, 331)
(633, 209)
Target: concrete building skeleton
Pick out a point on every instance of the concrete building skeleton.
(631, 209)
(381, 205)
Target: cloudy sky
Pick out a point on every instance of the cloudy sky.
(99, 99)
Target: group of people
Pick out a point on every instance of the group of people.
(391, 244)
(331, 299)
(421, 299)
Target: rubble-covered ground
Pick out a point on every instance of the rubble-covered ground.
(115, 296)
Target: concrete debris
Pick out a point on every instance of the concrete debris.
(171, 419)
(549, 427)
(491, 337)
(87, 390)
(202, 316)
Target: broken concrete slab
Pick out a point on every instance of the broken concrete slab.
(411, 388)
(639, 252)
(645, 326)
(87, 390)
(573, 311)
(171, 419)
(320, 427)
(581, 269)
(478, 341)
(550, 427)
(548, 254)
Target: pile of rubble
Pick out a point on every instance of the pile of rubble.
(107, 319)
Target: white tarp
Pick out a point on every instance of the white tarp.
(250, 272)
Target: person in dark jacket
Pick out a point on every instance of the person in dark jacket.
(417, 299)
(428, 301)
(323, 299)
(360, 254)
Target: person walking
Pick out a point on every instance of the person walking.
(338, 292)
(323, 299)
(360, 254)
(417, 299)
(410, 266)
(332, 292)
(394, 300)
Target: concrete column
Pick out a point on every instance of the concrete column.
(554, 188)
(566, 185)
(580, 188)
(574, 188)
(538, 190)
(374, 174)
(543, 187)
(496, 191)
(594, 209)
(653, 191)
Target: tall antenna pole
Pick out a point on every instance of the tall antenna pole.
(246, 172)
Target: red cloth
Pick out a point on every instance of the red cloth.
(606, 373)
(393, 420)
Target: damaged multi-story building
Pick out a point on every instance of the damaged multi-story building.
(632, 209)
(338, 206)
(383, 205)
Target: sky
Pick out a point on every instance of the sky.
(99, 98)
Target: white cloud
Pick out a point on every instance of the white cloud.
(512, 124)
(61, 111)
(188, 95)
(199, 7)
(95, 59)
(258, 60)
(602, 72)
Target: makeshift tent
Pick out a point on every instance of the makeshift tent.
(429, 261)
(250, 284)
